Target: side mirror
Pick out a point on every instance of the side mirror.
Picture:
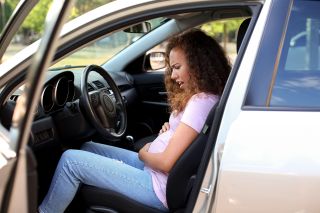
(143, 27)
(154, 61)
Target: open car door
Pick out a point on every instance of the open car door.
(8, 153)
(15, 160)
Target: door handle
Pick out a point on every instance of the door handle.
(163, 93)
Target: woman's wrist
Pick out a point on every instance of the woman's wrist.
(143, 151)
(140, 154)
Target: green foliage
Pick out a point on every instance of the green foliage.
(83, 6)
(35, 20)
(12, 3)
(217, 28)
(6, 10)
(34, 23)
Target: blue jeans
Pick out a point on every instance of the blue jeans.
(102, 166)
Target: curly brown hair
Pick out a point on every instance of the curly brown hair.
(209, 67)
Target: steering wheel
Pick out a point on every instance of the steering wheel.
(104, 107)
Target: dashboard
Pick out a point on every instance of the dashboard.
(60, 116)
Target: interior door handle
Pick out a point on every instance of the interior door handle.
(163, 93)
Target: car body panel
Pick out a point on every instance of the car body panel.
(269, 159)
(277, 167)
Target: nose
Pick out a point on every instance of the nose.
(173, 74)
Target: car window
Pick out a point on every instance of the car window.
(224, 31)
(297, 82)
(105, 48)
(6, 10)
(33, 26)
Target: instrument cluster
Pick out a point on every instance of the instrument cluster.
(57, 92)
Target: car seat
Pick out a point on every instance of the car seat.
(242, 31)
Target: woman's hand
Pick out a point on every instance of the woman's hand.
(164, 161)
(165, 127)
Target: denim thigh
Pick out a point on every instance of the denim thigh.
(126, 156)
(78, 166)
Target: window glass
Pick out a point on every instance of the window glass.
(223, 31)
(6, 10)
(33, 26)
(297, 81)
(105, 48)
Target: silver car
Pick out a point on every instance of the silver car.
(260, 146)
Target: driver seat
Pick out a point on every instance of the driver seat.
(180, 182)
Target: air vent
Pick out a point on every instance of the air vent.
(98, 84)
(14, 97)
(90, 88)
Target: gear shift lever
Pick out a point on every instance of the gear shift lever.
(130, 140)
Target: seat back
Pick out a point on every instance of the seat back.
(183, 173)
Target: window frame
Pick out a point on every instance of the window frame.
(265, 67)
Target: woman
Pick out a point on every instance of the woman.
(195, 78)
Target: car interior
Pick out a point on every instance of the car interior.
(134, 106)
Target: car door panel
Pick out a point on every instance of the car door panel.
(152, 110)
(4, 177)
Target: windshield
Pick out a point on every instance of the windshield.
(105, 48)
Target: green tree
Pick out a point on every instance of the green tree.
(218, 28)
(83, 6)
(33, 26)
(6, 9)
(34, 23)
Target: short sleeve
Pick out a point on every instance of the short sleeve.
(197, 110)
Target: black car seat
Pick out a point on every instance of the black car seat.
(242, 31)
(143, 141)
(179, 185)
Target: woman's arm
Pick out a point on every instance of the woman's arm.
(164, 161)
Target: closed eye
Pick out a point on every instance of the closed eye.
(176, 66)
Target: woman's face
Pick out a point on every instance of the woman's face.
(180, 71)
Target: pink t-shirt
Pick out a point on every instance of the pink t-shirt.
(194, 115)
